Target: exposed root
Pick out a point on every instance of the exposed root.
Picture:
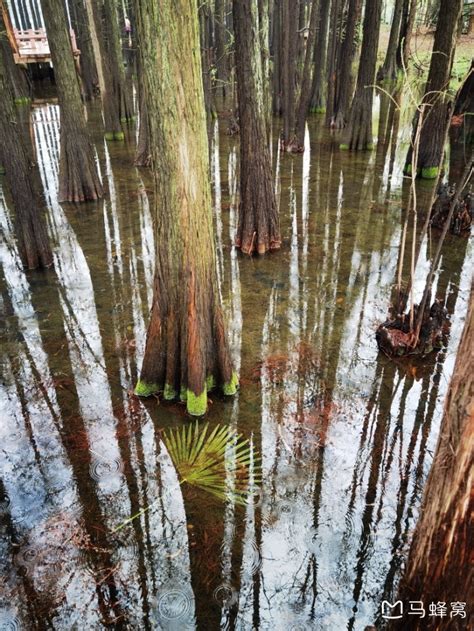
(462, 216)
(396, 339)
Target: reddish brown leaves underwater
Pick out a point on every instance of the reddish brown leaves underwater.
(301, 360)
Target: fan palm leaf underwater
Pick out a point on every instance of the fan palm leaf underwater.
(220, 462)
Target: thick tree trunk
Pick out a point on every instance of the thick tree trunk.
(23, 179)
(388, 71)
(320, 55)
(436, 101)
(289, 41)
(358, 134)
(439, 565)
(78, 177)
(344, 81)
(258, 229)
(17, 78)
(186, 350)
(80, 24)
(306, 81)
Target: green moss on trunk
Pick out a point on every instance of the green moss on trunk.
(169, 393)
(429, 173)
(143, 389)
(230, 388)
(196, 404)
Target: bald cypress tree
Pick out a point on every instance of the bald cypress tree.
(438, 566)
(186, 350)
(358, 134)
(437, 103)
(78, 177)
(258, 228)
(22, 177)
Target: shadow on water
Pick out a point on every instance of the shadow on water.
(345, 436)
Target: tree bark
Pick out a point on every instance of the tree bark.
(306, 81)
(436, 101)
(320, 55)
(258, 228)
(78, 177)
(221, 43)
(80, 24)
(344, 82)
(288, 52)
(17, 78)
(358, 135)
(388, 70)
(406, 31)
(22, 177)
(336, 17)
(439, 566)
(115, 93)
(186, 350)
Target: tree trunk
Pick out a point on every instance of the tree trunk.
(336, 17)
(17, 78)
(115, 95)
(344, 81)
(288, 53)
(258, 229)
(264, 32)
(143, 152)
(388, 71)
(78, 177)
(186, 350)
(406, 31)
(277, 60)
(358, 134)
(80, 24)
(207, 51)
(439, 566)
(221, 42)
(464, 106)
(22, 177)
(320, 56)
(306, 81)
(437, 104)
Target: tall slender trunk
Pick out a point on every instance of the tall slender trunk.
(186, 350)
(22, 176)
(436, 101)
(264, 32)
(289, 40)
(258, 228)
(115, 93)
(221, 43)
(388, 70)
(306, 80)
(143, 151)
(439, 566)
(406, 31)
(80, 24)
(336, 16)
(320, 55)
(358, 134)
(344, 81)
(78, 177)
(277, 60)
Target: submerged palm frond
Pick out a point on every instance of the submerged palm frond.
(219, 461)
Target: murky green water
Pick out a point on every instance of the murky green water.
(346, 437)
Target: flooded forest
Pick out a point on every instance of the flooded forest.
(236, 315)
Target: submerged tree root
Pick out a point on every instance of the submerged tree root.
(396, 338)
(463, 211)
